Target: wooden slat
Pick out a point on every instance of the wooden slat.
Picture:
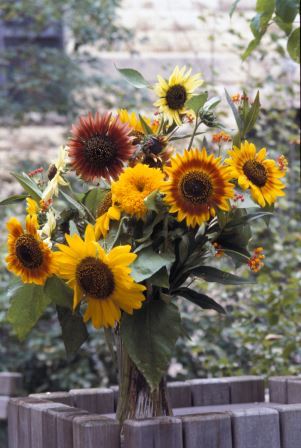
(294, 391)
(290, 424)
(206, 392)
(43, 428)
(160, 432)
(11, 384)
(58, 397)
(100, 400)
(64, 427)
(95, 431)
(179, 394)
(207, 431)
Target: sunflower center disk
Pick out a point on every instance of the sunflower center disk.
(255, 172)
(196, 187)
(100, 150)
(95, 278)
(105, 204)
(176, 97)
(28, 251)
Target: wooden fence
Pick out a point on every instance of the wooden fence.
(208, 413)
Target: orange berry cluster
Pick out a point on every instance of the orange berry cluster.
(282, 162)
(238, 97)
(255, 263)
(45, 204)
(221, 137)
(219, 250)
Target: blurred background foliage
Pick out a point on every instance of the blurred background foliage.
(262, 332)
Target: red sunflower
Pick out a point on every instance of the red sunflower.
(99, 146)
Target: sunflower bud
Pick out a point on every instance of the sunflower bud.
(153, 144)
(208, 118)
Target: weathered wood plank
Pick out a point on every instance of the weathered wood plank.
(206, 392)
(13, 430)
(256, 428)
(160, 432)
(100, 400)
(180, 394)
(93, 431)
(64, 427)
(43, 428)
(25, 405)
(207, 431)
(11, 384)
(58, 397)
(3, 407)
(294, 391)
(290, 424)
(245, 389)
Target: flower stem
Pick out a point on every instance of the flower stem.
(197, 124)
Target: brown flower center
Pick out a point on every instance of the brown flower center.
(52, 172)
(196, 187)
(95, 278)
(176, 97)
(255, 172)
(100, 150)
(105, 204)
(28, 251)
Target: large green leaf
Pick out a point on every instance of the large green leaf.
(234, 111)
(74, 203)
(247, 218)
(199, 299)
(14, 199)
(58, 292)
(29, 186)
(211, 274)
(212, 103)
(252, 115)
(74, 331)
(197, 102)
(93, 198)
(287, 10)
(149, 262)
(293, 45)
(28, 303)
(134, 77)
(150, 335)
(233, 8)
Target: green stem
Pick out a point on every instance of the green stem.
(197, 124)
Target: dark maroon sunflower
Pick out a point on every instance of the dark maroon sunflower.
(99, 146)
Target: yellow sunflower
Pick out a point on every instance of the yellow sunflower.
(32, 208)
(106, 212)
(132, 119)
(174, 92)
(254, 171)
(102, 279)
(133, 186)
(28, 256)
(197, 185)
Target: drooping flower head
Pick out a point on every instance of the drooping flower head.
(197, 185)
(132, 119)
(28, 256)
(133, 186)
(253, 170)
(106, 212)
(99, 146)
(174, 92)
(55, 176)
(102, 279)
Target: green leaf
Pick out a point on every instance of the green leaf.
(233, 8)
(199, 299)
(75, 204)
(211, 274)
(247, 218)
(250, 48)
(197, 102)
(293, 45)
(146, 128)
(148, 263)
(212, 103)
(152, 201)
(251, 115)
(150, 335)
(74, 331)
(14, 199)
(29, 186)
(28, 303)
(134, 77)
(93, 199)
(287, 10)
(160, 278)
(234, 111)
(58, 292)
(286, 27)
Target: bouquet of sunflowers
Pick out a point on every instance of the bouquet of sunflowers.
(134, 210)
